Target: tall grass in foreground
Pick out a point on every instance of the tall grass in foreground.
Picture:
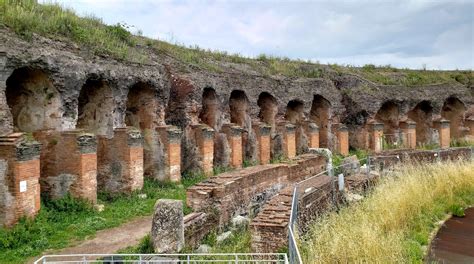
(392, 225)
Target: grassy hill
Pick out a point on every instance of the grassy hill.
(26, 17)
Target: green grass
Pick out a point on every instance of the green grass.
(393, 224)
(61, 222)
(461, 143)
(26, 18)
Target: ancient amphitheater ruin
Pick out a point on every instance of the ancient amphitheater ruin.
(72, 123)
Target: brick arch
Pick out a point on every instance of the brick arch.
(239, 105)
(422, 114)
(34, 102)
(389, 115)
(95, 107)
(295, 111)
(321, 114)
(210, 111)
(268, 108)
(142, 107)
(454, 110)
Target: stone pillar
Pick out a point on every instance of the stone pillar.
(409, 133)
(120, 161)
(234, 136)
(171, 139)
(470, 124)
(68, 164)
(167, 227)
(342, 140)
(312, 131)
(20, 173)
(204, 136)
(262, 131)
(289, 139)
(444, 132)
(375, 136)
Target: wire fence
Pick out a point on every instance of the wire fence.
(262, 258)
(377, 164)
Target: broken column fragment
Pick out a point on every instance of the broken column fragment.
(167, 229)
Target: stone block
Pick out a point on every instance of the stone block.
(167, 230)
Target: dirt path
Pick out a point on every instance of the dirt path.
(111, 240)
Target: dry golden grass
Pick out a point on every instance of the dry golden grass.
(392, 225)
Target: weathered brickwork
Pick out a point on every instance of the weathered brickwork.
(120, 161)
(170, 137)
(444, 131)
(375, 136)
(312, 131)
(21, 172)
(342, 139)
(262, 132)
(289, 139)
(68, 164)
(234, 137)
(269, 228)
(244, 191)
(409, 133)
(204, 136)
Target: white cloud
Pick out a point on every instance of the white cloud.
(406, 33)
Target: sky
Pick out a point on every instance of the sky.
(436, 34)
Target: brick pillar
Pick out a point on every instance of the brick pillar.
(234, 136)
(170, 137)
(289, 139)
(375, 136)
(444, 132)
(409, 133)
(342, 140)
(120, 161)
(262, 131)
(470, 124)
(204, 136)
(20, 196)
(312, 131)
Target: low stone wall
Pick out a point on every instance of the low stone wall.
(393, 157)
(197, 225)
(244, 191)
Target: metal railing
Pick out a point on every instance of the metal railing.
(264, 258)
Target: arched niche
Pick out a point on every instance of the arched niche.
(268, 108)
(34, 102)
(294, 111)
(95, 107)
(321, 114)
(142, 107)
(388, 114)
(422, 114)
(210, 108)
(238, 104)
(454, 110)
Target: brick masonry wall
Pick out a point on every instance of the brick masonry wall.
(244, 191)
(20, 195)
(120, 162)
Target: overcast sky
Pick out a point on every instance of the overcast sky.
(438, 34)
